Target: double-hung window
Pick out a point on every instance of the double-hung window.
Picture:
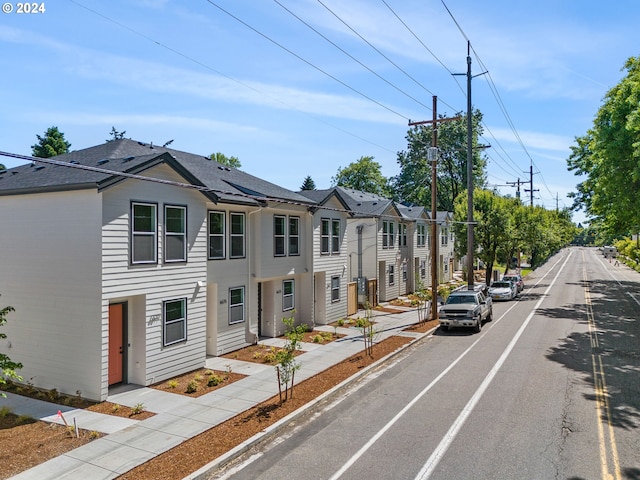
(335, 289)
(236, 235)
(392, 274)
(404, 271)
(279, 235)
(335, 236)
(420, 232)
(391, 235)
(444, 236)
(174, 321)
(216, 235)
(423, 268)
(294, 235)
(288, 295)
(325, 236)
(144, 233)
(236, 305)
(175, 233)
(385, 234)
(402, 235)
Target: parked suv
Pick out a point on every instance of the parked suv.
(465, 308)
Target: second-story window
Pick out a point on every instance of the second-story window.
(175, 234)
(324, 236)
(388, 234)
(236, 235)
(391, 234)
(144, 233)
(420, 232)
(335, 236)
(444, 236)
(216, 235)
(402, 235)
(294, 235)
(279, 235)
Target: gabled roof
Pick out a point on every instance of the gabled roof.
(358, 203)
(442, 217)
(413, 212)
(225, 184)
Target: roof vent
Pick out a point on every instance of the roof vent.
(14, 172)
(142, 143)
(2, 172)
(103, 161)
(39, 167)
(220, 167)
(75, 162)
(227, 169)
(128, 159)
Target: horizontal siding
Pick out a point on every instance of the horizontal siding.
(231, 340)
(50, 258)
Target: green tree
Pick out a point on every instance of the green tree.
(7, 366)
(308, 184)
(222, 159)
(609, 156)
(51, 144)
(413, 183)
(365, 175)
(2, 167)
(491, 213)
(115, 135)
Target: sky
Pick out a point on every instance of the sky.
(298, 88)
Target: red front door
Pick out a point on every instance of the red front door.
(116, 330)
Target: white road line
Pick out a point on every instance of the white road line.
(447, 440)
(391, 422)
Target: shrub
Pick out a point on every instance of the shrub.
(172, 383)
(192, 386)
(214, 380)
(138, 408)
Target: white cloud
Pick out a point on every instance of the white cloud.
(537, 140)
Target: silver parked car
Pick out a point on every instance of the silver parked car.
(515, 278)
(503, 290)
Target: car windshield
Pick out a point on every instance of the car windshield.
(500, 285)
(512, 279)
(453, 299)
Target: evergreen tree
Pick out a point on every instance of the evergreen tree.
(51, 144)
(308, 184)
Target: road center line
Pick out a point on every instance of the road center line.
(449, 437)
(391, 422)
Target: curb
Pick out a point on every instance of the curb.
(274, 429)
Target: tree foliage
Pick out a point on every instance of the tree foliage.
(609, 156)
(365, 175)
(413, 183)
(308, 184)
(2, 167)
(51, 144)
(222, 159)
(7, 366)
(504, 227)
(115, 135)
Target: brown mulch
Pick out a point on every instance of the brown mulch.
(423, 327)
(204, 448)
(27, 442)
(116, 410)
(198, 379)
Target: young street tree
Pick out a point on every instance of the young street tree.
(609, 156)
(413, 183)
(364, 175)
(308, 184)
(222, 159)
(7, 366)
(51, 144)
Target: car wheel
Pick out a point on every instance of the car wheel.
(490, 316)
(478, 326)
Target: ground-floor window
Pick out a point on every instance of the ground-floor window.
(288, 295)
(236, 305)
(392, 273)
(335, 289)
(174, 314)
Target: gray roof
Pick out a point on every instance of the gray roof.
(359, 204)
(413, 212)
(220, 183)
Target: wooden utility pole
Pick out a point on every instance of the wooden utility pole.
(433, 157)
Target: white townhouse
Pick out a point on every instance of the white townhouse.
(330, 257)
(446, 256)
(419, 242)
(129, 263)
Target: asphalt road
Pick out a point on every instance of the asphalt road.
(549, 389)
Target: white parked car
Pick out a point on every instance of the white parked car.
(503, 290)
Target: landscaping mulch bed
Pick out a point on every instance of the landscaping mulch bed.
(198, 382)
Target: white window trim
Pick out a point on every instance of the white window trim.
(335, 288)
(291, 236)
(233, 235)
(153, 233)
(325, 236)
(283, 236)
(335, 237)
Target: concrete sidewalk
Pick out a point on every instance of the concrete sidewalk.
(129, 443)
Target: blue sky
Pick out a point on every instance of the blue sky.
(261, 83)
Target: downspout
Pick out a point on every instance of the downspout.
(256, 336)
(359, 229)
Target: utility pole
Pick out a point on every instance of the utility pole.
(433, 157)
(470, 222)
(530, 182)
(517, 185)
